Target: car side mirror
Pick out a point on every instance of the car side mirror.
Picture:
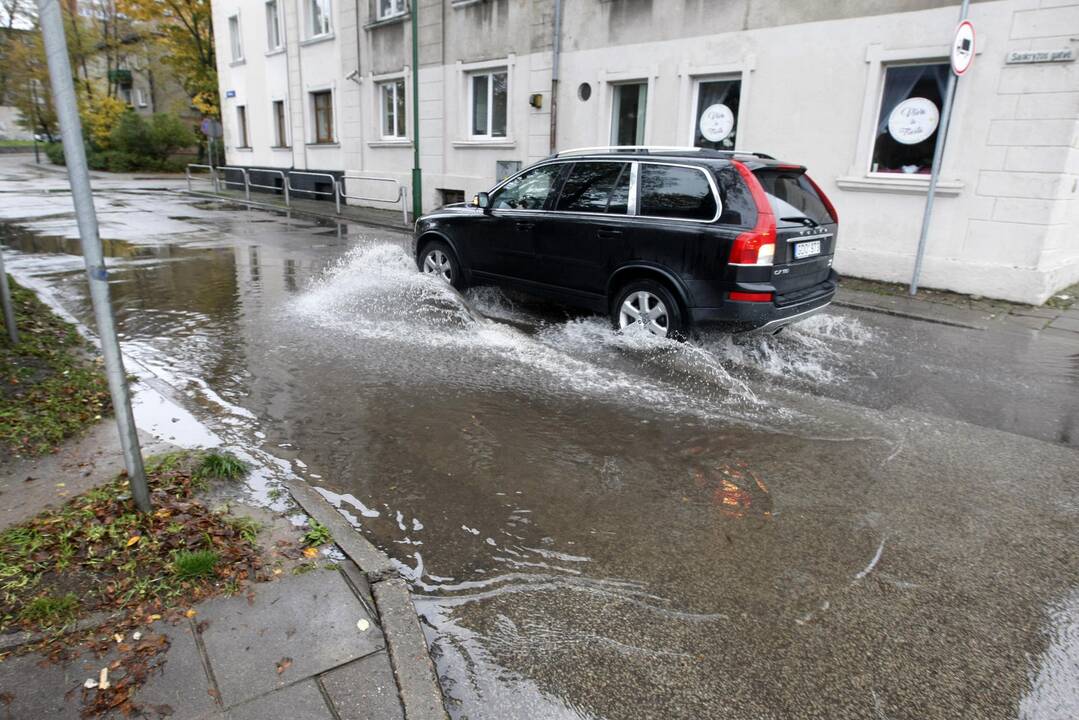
(482, 201)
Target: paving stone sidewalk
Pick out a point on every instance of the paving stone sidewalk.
(304, 647)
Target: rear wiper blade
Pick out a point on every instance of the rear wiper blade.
(802, 220)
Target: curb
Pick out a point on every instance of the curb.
(417, 681)
(896, 312)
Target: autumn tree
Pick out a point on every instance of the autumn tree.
(186, 29)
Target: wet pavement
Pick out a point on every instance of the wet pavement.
(862, 517)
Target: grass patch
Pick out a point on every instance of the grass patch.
(50, 388)
(317, 534)
(188, 565)
(18, 144)
(49, 612)
(99, 549)
(220, 466)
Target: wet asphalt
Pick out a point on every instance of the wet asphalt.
(862, 517)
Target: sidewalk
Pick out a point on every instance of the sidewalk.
(961, 310)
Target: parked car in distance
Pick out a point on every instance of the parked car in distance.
(664, 238)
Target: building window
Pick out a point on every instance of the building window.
(715, 116)
(389, 9)
(628, 113)
(273, 26)
(592, 186)
(906, 132)
(241, 126)
(318, 17)
(676, 192)
(125, 94)
(392, 95)
(279, 124)
(322, 114)
(234, 39)
(528, 191)
(140, 97)
(487, 92)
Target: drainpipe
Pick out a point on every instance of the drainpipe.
(417, 173)
(556, 50)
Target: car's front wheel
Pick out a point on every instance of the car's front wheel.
(648, 305)
(437, 258)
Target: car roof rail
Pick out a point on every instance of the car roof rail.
(643, 149)
(650, 149)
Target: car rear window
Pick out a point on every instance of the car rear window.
(589, 187)
(737, 201)
(792, 196)
(675, 192)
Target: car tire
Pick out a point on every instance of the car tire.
(650, 302)
(437, 258)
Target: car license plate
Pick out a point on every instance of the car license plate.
(806, 249)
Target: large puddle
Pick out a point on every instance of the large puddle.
(606, 525)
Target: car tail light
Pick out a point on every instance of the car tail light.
(824, 199)
(751, 296)
(758, 246)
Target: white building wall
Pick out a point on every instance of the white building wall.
(1006, 222)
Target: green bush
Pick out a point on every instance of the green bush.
(55, 151)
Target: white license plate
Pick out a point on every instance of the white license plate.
(806, 249)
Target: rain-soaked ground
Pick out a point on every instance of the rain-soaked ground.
(862, 517)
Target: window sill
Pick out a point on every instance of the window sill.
(402, 143)
(281, 147)
(500, 143)
(315, 40)
(237, 63)
(275, 51)
(464, 3)
(323, 145)
(246, 148)
(899, 185)
(396, 19)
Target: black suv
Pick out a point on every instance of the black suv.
(666, 237)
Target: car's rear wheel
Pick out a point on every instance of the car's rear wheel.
(649, 305)
(438, 259)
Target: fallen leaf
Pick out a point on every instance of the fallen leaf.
(155, 616)
(133, 539)
(362, 624)
(118, 637)
(283, 664)
(192, 612)
(310, 552)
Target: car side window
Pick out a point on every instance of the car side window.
(675, 192)
(528, 191)
(619, 202)
(589, 185)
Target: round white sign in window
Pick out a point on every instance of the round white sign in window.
(717, 123)
(913, 120)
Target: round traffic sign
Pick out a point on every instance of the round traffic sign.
(963, 47)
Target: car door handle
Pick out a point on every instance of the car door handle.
(525, 226)
(608, 233)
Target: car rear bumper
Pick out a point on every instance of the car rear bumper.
(768, 316)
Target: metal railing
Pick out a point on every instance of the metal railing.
(226, 182)
(284, 183)
(402, 192)
(212, 178)
(333, 181)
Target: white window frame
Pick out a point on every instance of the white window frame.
(869, 172)
(312, 138)
(311, 32)
(283, 132)
(243, 129)
(858, 177)
(380, 83)
(236, 39)
(274, 28)
(397, 9)
(489, 72)
(140, 98)
(690, 77)
(616, 90)
(605, 90)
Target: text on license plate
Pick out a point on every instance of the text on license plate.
(806, 249)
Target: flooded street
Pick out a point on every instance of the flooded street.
(862, 517)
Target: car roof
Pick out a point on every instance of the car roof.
(753, 160)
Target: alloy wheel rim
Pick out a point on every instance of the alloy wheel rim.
(438, 263)
(644, 308)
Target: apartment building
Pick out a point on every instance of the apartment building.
(851, 89)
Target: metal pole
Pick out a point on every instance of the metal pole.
(33, 126)
(9, 309)
(938, 154)
(556, 52)
(417, 174)
(52, 28)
